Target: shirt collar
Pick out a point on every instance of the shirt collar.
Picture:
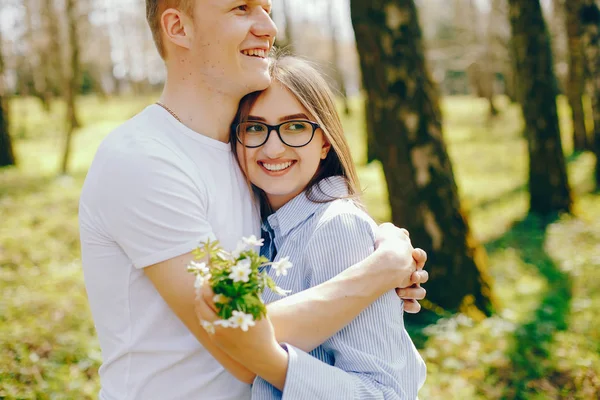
(300, 208)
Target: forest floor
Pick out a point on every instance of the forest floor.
(544, 343)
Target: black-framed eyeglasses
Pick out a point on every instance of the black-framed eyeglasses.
(296, 133)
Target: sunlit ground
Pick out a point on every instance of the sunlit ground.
(544, 344)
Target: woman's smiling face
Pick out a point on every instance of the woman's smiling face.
(281, 171)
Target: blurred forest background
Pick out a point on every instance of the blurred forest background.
(475, 124)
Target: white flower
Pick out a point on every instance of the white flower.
(240, 272)
(219, 298)
(198, 267)
(200, 279)
(280, 291)
(241, 320)
(208, 327)
(239, 249)
(223, 255)
(253, 241)
(282, 266)
(225, 323)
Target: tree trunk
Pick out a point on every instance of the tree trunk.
(55, 77)
(590, 22)
(71, 83)
(7, 155)
(335, 58)
(39, 59)
(576, 85)
(286, 42)
(406, 122)
(548, 183)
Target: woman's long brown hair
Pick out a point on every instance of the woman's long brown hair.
(307, 84)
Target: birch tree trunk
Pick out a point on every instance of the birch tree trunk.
(71, 82)
(576, 87)
(590, 21)
(406, 122)
(548, 184)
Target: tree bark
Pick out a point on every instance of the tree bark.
(55, 76)
(576, 85)
(335, 58)
(590, 22)
(548, 183)
(406, 122)
(7, 154)
(71, 82)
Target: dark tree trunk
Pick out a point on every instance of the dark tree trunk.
(71, 83)
(548, 183)
(590, 22)
(406, 122)
(576, 85)
(7, 154)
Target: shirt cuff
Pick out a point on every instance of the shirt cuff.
(310, 378)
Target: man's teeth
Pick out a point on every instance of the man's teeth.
(255, 52)
(277, 167)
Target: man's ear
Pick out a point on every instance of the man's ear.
(176, 27)
(325, 149)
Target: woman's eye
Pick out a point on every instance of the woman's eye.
(296, 127)
(243, 8)
(255, 128)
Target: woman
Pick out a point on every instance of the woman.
(290, 143)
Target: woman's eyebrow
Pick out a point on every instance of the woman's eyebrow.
(285, 118)
(294, 116)
(255, 118)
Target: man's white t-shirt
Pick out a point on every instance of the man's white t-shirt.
(154, 190)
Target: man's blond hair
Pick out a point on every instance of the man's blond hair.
(155, 8)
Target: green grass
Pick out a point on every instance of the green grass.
(543, 344)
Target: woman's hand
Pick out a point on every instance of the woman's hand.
(257, 348)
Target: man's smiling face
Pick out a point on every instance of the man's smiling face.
(231, 41)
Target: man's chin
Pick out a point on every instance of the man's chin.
(258, 82)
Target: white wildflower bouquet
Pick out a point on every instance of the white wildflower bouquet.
(237, 281)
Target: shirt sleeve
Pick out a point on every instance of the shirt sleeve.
(370, 354)
(148, 202)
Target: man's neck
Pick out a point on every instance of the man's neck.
(200, 107)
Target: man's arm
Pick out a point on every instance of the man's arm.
(308, 318)
(157, 214)
(176, 287)
(333, 303)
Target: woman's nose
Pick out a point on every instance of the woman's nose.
(274, 147)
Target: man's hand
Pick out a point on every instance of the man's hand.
(402, 264)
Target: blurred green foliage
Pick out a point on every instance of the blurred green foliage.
(544, 344)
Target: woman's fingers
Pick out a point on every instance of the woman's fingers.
(205, 313)
(209, 296)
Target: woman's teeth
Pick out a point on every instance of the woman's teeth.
(277, 167)
(255, 52)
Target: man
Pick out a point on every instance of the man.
(165, 180)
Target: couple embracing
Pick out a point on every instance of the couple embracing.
(242, 144)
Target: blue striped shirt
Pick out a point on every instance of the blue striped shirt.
(371, 358)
